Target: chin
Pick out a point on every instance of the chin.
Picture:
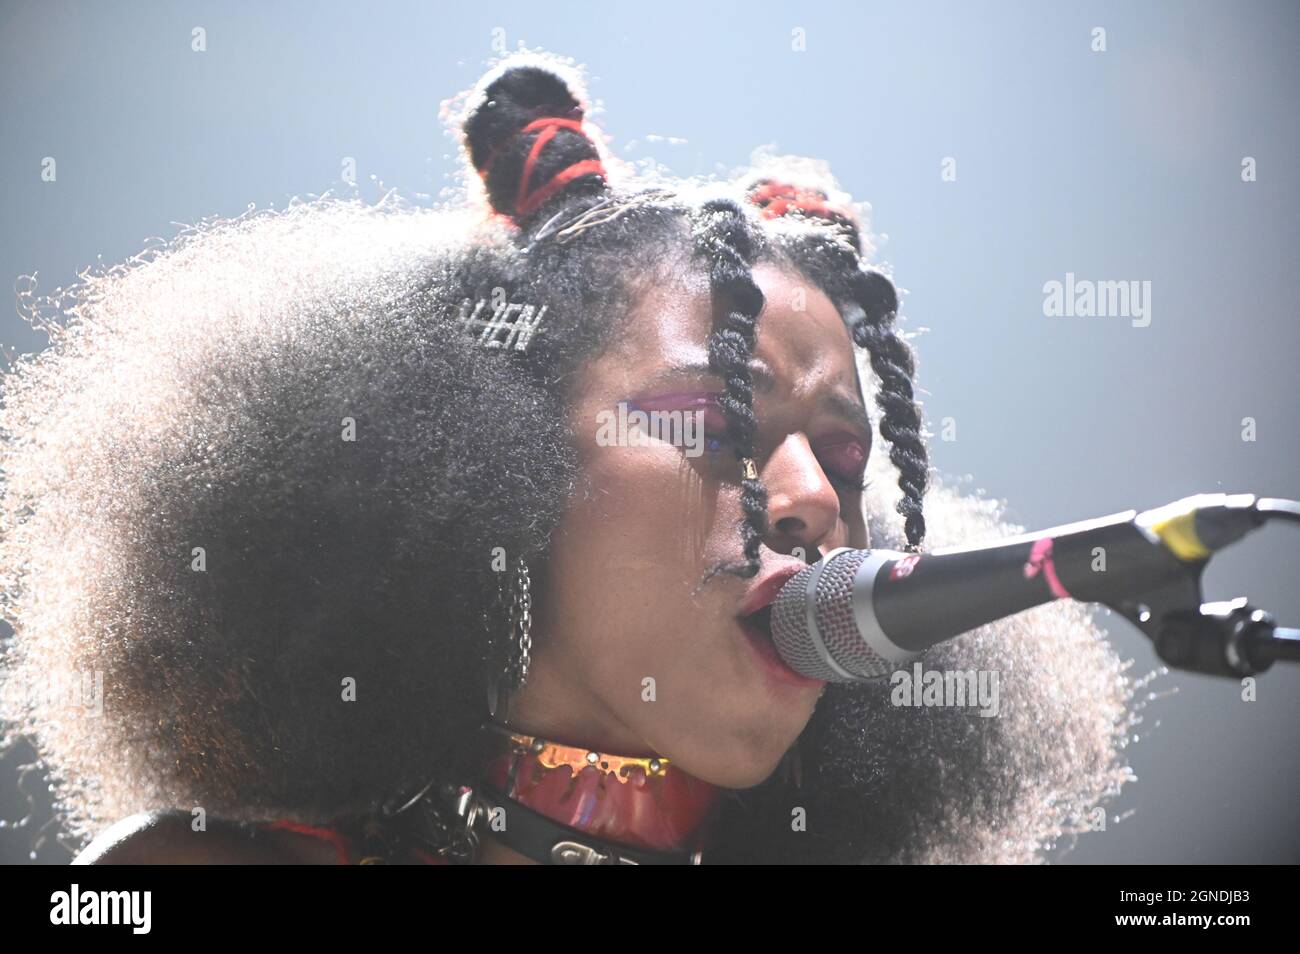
(726, 769)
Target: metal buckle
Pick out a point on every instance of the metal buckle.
(576, 853)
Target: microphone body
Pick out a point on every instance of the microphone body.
(861, 614)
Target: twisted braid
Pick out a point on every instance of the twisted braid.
(894, 363)
(869, 303)
(725, 237)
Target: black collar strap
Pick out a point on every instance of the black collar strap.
(549, 842)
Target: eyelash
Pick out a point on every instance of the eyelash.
(845, 484)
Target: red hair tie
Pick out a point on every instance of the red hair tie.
(527, 202)
(777, 198)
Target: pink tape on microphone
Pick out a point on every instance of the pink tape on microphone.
(1040, 558)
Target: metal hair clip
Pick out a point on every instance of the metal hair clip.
(606, 210)
(511, 325)
(550, 227)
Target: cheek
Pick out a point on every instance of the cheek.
(636, 539)
(653, 508)
(855, 522)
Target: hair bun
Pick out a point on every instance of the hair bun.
(525, 139)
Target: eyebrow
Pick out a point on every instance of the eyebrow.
(834, 402)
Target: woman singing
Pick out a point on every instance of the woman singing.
(356, 510)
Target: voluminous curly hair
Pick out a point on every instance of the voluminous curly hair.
(267, 458)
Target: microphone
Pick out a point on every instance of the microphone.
(857, 615)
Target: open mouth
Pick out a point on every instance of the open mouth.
(757, 627)
(761, 620)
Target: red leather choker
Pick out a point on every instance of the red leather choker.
(631, 810)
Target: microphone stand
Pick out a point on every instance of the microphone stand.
(1229, 638)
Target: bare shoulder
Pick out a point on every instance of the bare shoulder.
(168, 838)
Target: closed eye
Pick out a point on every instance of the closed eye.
(845, 463)
(843, 456)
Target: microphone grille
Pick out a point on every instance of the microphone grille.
(837, 623)
(833, 648)
(790, 629)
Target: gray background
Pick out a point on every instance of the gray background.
(1115, 166)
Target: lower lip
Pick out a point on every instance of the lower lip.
(771, 662)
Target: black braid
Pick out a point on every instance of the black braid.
(728, 242)
(869, 303)
(894, 363)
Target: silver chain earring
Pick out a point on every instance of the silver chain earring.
(514, 675)
(522, 622)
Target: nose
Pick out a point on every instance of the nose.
(803, 508)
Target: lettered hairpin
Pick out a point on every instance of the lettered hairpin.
(511, 325)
